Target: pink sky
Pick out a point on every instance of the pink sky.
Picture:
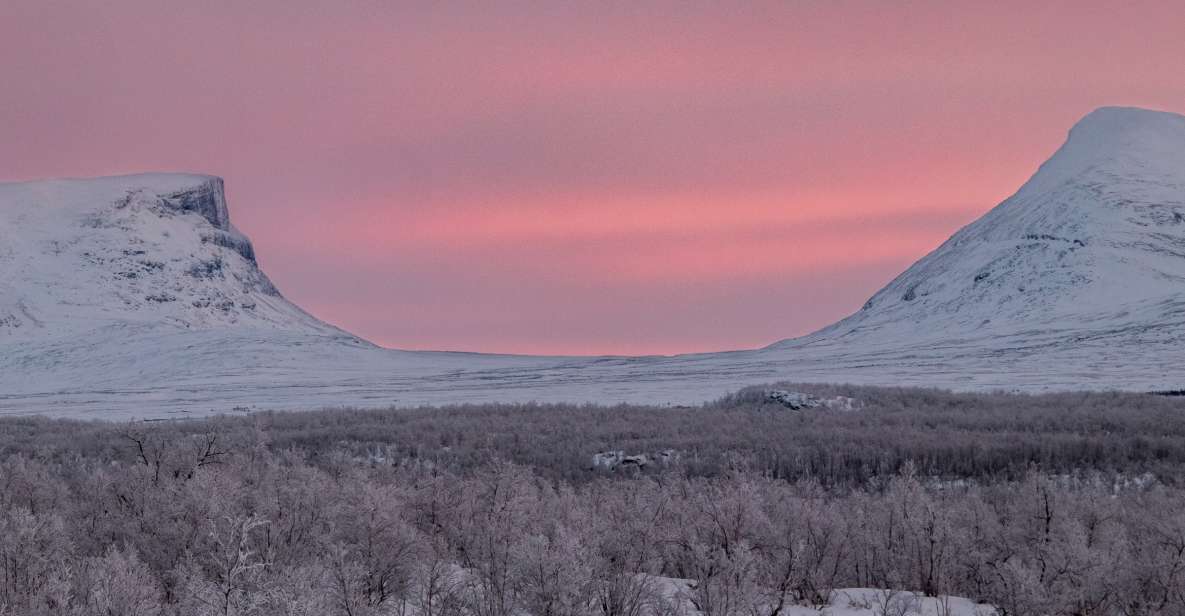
(607, 179)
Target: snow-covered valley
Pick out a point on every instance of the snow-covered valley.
(134, 296)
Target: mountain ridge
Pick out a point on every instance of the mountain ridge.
(135, 296)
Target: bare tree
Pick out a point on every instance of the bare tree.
(116, 583)
(226, 581)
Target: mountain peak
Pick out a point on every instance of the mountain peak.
(1115, 121)
(1122, 141)
(1108, 131)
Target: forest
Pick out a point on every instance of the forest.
(1066, 504)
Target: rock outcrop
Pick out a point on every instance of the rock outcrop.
(206, 197)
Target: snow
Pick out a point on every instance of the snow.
(135, 296)
(878, 602)
(848, 602)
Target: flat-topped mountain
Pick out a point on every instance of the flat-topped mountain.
(152, 251)
(135, 296)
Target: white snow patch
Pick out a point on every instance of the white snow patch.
(847, 602)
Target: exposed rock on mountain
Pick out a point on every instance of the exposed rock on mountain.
(798, 401)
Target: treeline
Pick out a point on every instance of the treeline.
(192, 525)
(944, 436)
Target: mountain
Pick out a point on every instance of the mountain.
(134, 296)
(1092, 246)
(153, 251)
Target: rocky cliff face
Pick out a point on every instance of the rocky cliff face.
(206, 197)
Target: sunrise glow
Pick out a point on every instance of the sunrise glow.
(517, 178)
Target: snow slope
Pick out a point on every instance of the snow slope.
(134, 296)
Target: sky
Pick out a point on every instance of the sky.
(578, 178)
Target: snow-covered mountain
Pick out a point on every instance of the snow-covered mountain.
(135, 293)
(135, 296)
(152, 251)
(1093, 245)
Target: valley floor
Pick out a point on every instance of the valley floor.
(123, 373)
